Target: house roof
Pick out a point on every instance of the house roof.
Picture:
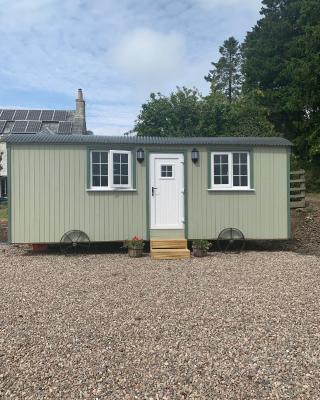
(22, 121)
(142, 140)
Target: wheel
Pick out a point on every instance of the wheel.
(231, 240)
(74, 242)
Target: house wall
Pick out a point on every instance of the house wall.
(48, 197)
(3, 150)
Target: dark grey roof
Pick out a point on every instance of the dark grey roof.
(40, 121)
(22, 121)
(139, 140)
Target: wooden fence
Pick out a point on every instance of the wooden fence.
(297, 189)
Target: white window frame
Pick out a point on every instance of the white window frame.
(119, 186)
(91, 174)
(173, 171)
(230, 185)
(111, 184)
(221, 185)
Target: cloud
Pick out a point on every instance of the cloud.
(253, 4)
(117, 51)
(149, 56)
(112, 119)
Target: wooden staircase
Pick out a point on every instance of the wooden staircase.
(169, 249)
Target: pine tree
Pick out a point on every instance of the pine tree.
(226, 74)
(282, 64)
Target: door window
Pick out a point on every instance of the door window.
(166, 171)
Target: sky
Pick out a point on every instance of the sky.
(117, 51)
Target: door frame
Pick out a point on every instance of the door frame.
(148, 152)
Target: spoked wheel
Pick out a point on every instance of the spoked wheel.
(74, 242)
(231, 240)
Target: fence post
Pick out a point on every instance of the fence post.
(297, 189)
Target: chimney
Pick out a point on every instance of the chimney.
(80, 105)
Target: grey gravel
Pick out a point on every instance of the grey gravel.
(109, 327)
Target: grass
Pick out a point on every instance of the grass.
(3, 212)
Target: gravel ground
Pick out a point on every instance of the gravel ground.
(109, 327)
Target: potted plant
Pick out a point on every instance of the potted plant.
(200, 247)
(135, 246)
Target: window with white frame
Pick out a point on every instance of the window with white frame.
(110, 169)
(230, 170)
(167, 171)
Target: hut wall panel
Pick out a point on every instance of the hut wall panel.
(261, 214)
(49, 198)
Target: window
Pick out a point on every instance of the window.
(110, 169)
(221, 169)
(99, 169)
(166, 171)
(120, 168)
(230, 170)
(3, 186)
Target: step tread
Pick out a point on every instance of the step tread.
(167, 254)
(168, 243)
(170, 250)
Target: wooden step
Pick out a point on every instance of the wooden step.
(168, 244)
(169, 254)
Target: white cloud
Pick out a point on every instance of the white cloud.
(253, 4)
(111, 120)
(117, 51)
(149, 56)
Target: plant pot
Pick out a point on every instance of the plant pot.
(135, 252)
(199, 252)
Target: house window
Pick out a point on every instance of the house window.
(121, 168)
(3, 186)
(166, 171)
(230, 170)
(99, 169)
(110, 169)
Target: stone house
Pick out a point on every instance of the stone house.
(24, 121)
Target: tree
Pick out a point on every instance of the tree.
(179, 114)
(282, 62)
(187, 113)
(247, 118)
(226, 74)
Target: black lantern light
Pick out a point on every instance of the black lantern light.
(140, 155)
(195, 155)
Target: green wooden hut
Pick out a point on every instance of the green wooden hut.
(113, 188)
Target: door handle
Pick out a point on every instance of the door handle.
(153, 189)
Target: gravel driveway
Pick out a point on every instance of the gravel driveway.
(109, 327)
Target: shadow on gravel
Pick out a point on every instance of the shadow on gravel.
(95, 248)
(118, 248)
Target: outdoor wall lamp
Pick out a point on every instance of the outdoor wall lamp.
(140, 155)
(195, 155)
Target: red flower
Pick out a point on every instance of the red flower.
(136, 238)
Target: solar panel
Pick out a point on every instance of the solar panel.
(60, 115)
(34, 126)
(19, 127)
(46, 115)
(7, 114)
(34, 114)
(20, 115)
(65, 127)
(2, 125)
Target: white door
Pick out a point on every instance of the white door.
(167, 191)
